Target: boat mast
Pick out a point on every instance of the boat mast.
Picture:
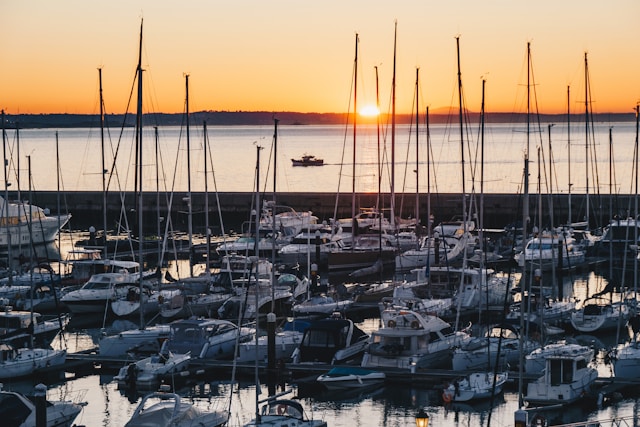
(393, 135)
(273, 218)
(417, 149)
(140, 166)
(104, 170)
(464, 199)
(354, 221)
(206, 197)
(586, 135)
(190, 205)
(569, 149)
(6, 195)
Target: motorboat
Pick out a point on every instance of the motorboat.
(96, 295)
(475, 386)
(206, 338)
(286, 340)
(535, 362)
(620, 238)
(625, 359)
(410, 340)
(332, 340)
(307, 160)
(26, 224)
(565, 379)
(144, 341)
(163, 409)
(18, 410)
(548, 251)
(600, 314)
(311, 245)
(147, 373)
(365, 251)
(20, 362)
(22, 328)
(350, 377)
(321, 304)
(481, 353)
(433, 251)
(283, 413)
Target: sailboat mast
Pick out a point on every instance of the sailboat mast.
(273, 218)
(206, 195)
(6, 194)
(586, 136)
(392, 204)
(104, 170)
(378, 206)
(417, 149)
(140, 166)
(190, 204)
(569, 149)
(426, 118)
(460, 117)
(354, 226)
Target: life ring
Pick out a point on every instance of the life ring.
(391, 323)
(447, 397)
(282, 409)
(415, 324)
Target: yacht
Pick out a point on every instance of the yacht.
(331, 340)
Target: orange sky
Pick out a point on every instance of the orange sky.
(288, 55)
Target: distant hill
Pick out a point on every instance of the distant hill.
(231, 118)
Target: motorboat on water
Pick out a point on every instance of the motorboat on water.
(535, 362)
(541, 309)
(26, 224)
(287, 341)
(548, 251)
(163, 409)
(96, 295)
(350, 377)
(410, 340)
(307, 160)
(565, 379)
(147, 373)
(137, 341)
(475, 386)
(23, 328)
(206, 338)
(18, 410)
(332, 340)
(321, 304)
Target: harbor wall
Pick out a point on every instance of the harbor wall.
(233, 209)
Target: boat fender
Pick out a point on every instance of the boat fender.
(415, 324)
(447, 396)
(391, 323)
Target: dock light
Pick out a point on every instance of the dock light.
(422, 419)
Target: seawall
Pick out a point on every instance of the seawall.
(234, 208)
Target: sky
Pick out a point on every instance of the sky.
(286, 55)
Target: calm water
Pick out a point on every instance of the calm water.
(232, 153)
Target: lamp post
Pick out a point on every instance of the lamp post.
(422, 419)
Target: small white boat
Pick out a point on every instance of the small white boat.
(348, 377)
(475, 386)
(18, 410)
(534, 362)
(566, 379)
(148, 372)
(20, 362)
(137, 341)
(169, 410)
(321, 304)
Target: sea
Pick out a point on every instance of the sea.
(237, 155)
(576, 158)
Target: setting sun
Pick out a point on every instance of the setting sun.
(369, 111)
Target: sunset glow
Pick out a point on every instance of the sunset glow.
(283, 56)
(369, 111)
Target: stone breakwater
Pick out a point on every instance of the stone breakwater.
(234, 209)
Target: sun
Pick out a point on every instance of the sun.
(369, 111)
